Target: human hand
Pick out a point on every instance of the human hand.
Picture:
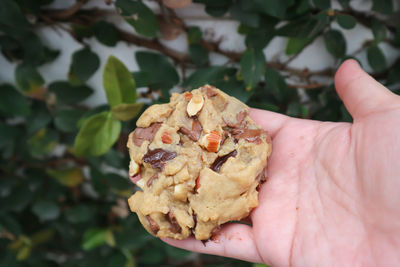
(332, 196)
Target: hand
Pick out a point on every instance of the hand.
(332, 196)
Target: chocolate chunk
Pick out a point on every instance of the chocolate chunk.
(142, 134)
(250, 135)
(157, 157)
(195, 132)
(151, 179)
(174, 227)
(153, 225)
(217, 164)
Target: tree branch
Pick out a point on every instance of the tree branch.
(89, 17)
(66, 13)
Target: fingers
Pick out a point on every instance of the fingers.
(269, 121)
(234, 240)
(361, 94)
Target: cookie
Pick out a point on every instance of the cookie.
(200, 159)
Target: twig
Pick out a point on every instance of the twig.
(66, 13)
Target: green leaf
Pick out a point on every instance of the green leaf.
(234, 87)
(118, 83)
(126, 112)
(277, 85)
(69, 177)
(194, 35)
(177, 253)
(305, 27)
(296, 45)
(42, 142)
(383, 6)
(117, 182)
(79, 214)
(28, 79)
(322, 4)
(163, 73)
(393, 75)
(97, 135)
(106, 33)
(13, 102)
(141, 78)
(46, 210)
(93, 238)
(67, 119)
(396, 38)
(335, 43)
(248, 18)
(379, 30)
(38, 119)
(81, 31)
(252, 65)
(92, 112)
(274, 8)
(12, 20)
(210, 75)
(259, 39)
(376, 58)
(295, 109)
(139, 16)
(67, 93)
(346, 21)
(215, 8)
(198, 54)
(41, 237)
(84, 65)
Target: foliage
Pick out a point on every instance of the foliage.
(64, 186)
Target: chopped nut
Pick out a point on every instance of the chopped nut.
(195, 105)
(140, 183)
(211, 141)
(180, 192)
(133, 168)
(166, 138)
(188, 96)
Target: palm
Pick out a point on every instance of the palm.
(313, 197)
(331, 196)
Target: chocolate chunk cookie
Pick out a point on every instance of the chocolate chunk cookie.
(200, 159)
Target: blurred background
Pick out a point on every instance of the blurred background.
(75, 75)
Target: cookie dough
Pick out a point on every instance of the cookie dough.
(200, 159)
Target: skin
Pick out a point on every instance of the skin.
(332, 197)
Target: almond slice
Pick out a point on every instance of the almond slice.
(133, 168)
(195, 105)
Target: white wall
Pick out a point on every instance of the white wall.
(314, 57)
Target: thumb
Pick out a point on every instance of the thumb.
(360, 93)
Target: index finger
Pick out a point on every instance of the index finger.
(268, 120)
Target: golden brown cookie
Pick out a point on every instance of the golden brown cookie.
(200, 159)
